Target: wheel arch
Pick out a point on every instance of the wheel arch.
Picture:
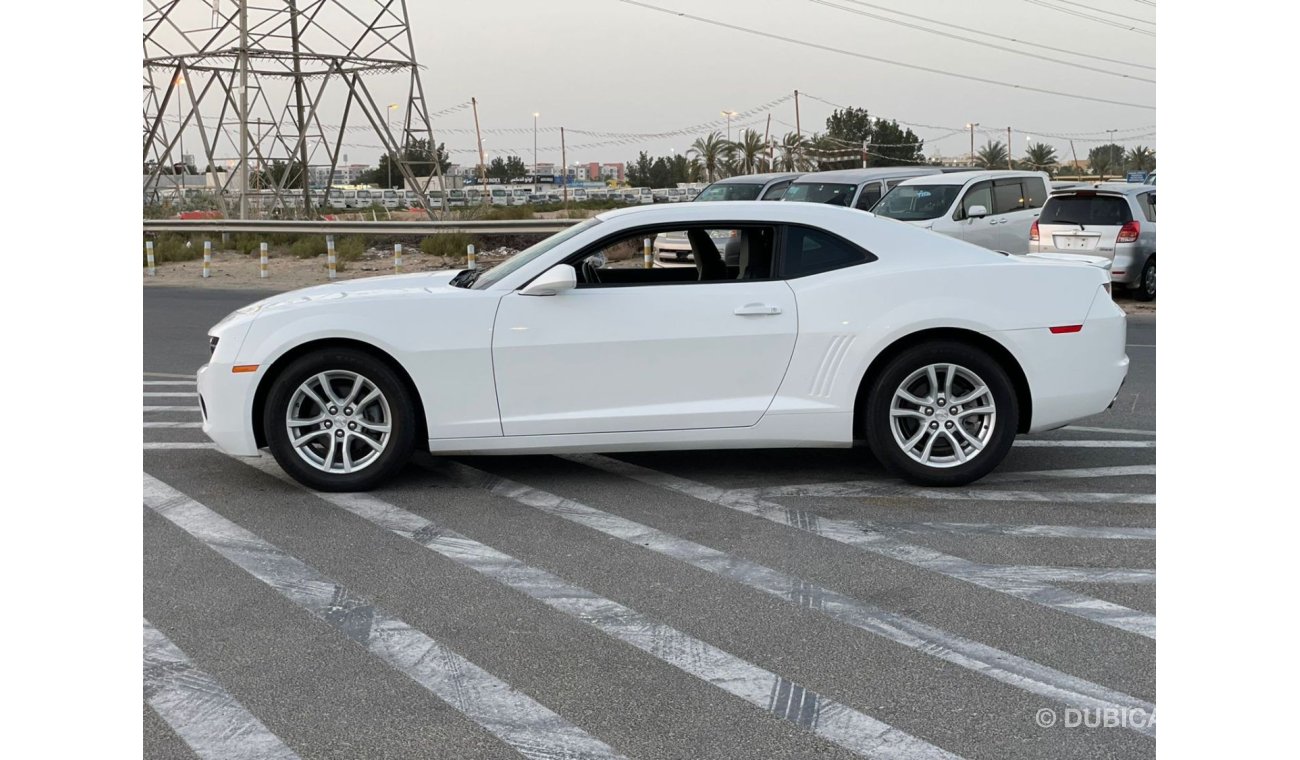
(999, 353)
(284, 360)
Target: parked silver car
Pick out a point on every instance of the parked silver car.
(853, 188)
(673, 249)
(1114, 219)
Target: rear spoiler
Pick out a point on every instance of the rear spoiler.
(1101, 262)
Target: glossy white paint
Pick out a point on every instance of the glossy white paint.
(719, 364)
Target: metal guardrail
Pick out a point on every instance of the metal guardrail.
(501, 227)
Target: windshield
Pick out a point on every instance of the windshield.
(483, 279)
(1098, 210)
(820, 192)
(731, 191)
(913, 203)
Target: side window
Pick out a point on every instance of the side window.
(1008, 196)
(869, 196)
(776, 192)
(1147, 201)
(810, 251)
(890, 184)
(980, 194)
(1035, 191)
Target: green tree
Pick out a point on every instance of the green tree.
(417, 157)
(992, 156)
(891, 145)
(749, 152)
(712, 152)
(852, 125)
(1040, 157)
(1106, 159)
(792, 153)
(1140, 159)
(661, 173)
(507, 169)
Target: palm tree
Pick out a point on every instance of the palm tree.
(711, 152)
(1141, 159)
(748, 151)
(1040, 156)
(794, 153)
(992, 156)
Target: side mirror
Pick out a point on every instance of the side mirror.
(976, 212)
(553, 281)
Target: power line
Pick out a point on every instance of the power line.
(1026, 43)
(1025, 53)
(1097, 19)
(901, 64)
(1108, 13)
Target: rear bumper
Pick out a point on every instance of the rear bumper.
(226, 402)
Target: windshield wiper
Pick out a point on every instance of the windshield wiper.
(1068, 221)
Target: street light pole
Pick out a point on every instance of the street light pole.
(392, 107)
(971, 126)
(535, 179)
(729, 115)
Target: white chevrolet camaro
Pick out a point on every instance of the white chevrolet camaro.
(818, 326)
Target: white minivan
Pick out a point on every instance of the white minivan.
(992, 209)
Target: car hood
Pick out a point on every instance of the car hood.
(387, 286)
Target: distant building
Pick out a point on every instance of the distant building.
(344, 174)
(607, 172)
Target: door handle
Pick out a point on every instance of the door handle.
(756, 310)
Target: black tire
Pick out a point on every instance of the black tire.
(1145, 290)
(890, 453)
(401, 405)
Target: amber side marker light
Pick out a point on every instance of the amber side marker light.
(253, 367)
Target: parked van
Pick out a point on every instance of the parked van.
(853, 188)
(498, 196)
(364, 198)
(748, 187)
(455, 198)
(992, 209)
(393, 198)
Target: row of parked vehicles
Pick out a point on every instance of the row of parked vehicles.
(1015, 212)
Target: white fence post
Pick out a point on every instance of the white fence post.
(470, 261)
(148, 257)
(647, 253)
(397, 257)
(331, 262)
(261, 264)
(207, 258)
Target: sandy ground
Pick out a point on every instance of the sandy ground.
(233, 270)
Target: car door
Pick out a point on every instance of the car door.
(868, 195)
(623, 358)
(1017, 202)
(980, 231)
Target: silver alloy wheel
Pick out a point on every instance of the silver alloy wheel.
(338, 421)
(1149, 280)
(942, 415)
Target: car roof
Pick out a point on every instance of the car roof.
(754, 179)
(961, 178)
(854, 176)
(1113, 188)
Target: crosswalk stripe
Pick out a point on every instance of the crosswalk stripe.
(1122, 431)
(516, 719)
(177, 375)
(876, 489)
(177, 445)
(148, 408)
(173, 424)
(191, 394)
(1038, 574)
(838, 723)
(982, 659)
(886, 545)
(1117, 444)
(1118, 471)
(1027, 531)
(206, 717)
(189, 383)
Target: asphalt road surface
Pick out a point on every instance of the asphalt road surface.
(706, 604)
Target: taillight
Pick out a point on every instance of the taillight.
(1033, 231)
(1129, 232)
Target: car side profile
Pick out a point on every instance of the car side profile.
(991, 209)
(833, 326)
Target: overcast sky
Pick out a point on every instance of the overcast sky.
(611, 66)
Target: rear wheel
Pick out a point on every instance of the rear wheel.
(339, 420)
(1146, 287)
(942, 414)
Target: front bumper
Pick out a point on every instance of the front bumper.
(226, 403)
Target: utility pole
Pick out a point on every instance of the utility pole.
(864, 154)
(536, 177)
(767, 131)
(971, 126)
(298, 104)
(1009, 166)
(1076, 159)
(729, 114)
(482, 169)
(392, 107)
(243, 109)
(798, 131)
(564, 164)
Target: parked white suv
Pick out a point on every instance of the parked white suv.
(992, 209)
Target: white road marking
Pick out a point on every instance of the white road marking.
(516, 719)
(206, 717)
(191, 394)
(874, 489)
(177, 375)
(176, 445)
(979, 658)
(1041, 443)
(190, 383)
(1027, 531)
(1124, 431)
(148, 408)
(173, 424)
(838, 723)
(1140, 345)
(1066, 474)
(886, 545)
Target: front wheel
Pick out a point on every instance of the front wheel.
(339, 420)
(941, 414)
(1146, 287)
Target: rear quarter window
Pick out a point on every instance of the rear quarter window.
(1096, 210)
(811, 251)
